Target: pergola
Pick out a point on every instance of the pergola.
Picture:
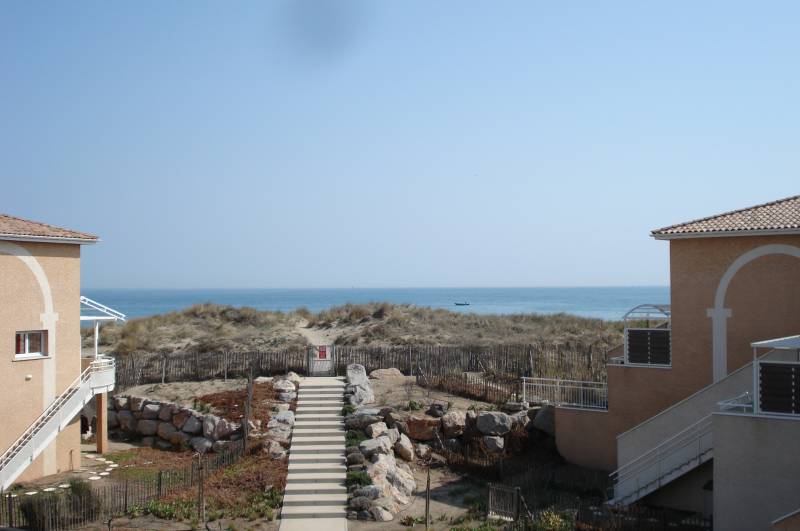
(97, 313)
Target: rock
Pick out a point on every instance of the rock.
(393, 434)
(404, 448)
(293, 377)
(376, 430)
(165, 430)
(493, 444)
(356, 468)
(381, 515)
(262, 379)
(394, 483)
(384, 374)
(436, 410)
(453, 423)
(423, 451)
(113, 422)
(209, 425)
(165, 413)
(357, 375)
(180, 417)
(148, 441)
(387, 503)
(363, 410)
(364, 515)
(223, 429)
(382, 412)
(147, 427)
(275, 450)
(513, 407)
(280, 437)
(533, 411)
(359, 422)
(546, 420)
(360, 503)
(254, 426)
(120, 402)
(193, 425)
(220, 446)
(520, 419)
(284, 386)
(380, 445)
(369, 491)
(351, 450)
(287, 396)
(393, 417)
(421, 427)
(352, 515)
(200, 444)
(135, 403)
(280, 407)
(356, 458)
(126, 420)
(284, 417)
(150, 411)
(494, 423)
(361, 395)
(180, 439)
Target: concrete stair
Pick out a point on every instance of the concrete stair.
(316, 497)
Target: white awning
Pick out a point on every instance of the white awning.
(782, 343)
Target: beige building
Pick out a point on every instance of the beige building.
(690, 418)
(44, 383)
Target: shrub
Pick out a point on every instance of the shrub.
(358, 477)
(56, 510)
(354, 437)
(413, 405)
(348, 409)
(550, 520)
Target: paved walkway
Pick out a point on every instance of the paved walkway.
(316, 496)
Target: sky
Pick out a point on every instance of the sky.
(338, 143)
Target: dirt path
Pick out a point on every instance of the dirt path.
(316, 336)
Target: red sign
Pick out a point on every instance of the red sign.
(323, 353)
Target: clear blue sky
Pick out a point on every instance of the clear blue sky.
(386, 144)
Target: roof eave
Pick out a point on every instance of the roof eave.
(48, 239)
(724, 234)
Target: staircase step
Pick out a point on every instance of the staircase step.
(314, 511)
(318, 458)
(320, 487)
(315, 499)
(316, 448)
(313, 468)
(313, 477)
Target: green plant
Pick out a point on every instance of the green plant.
(358, 477)
(54, 510)
(354, 437)
(413, 405)
(551, 520)
(348, 409)
(410, 521)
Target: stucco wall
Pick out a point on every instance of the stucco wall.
(765, 301)
(756, 471)
(22, 309)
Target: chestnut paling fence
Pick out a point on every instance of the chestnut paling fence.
(86, 502)
(437, 363)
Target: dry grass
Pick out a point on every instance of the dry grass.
(209, 327)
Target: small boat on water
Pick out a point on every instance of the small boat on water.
(465, 303)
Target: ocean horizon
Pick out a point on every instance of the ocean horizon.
(608, 303)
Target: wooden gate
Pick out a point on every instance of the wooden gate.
(503, 502)
(321, 360)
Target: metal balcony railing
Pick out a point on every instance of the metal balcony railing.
(569, 393)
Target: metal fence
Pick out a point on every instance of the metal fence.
(84, 502)
(571, 393)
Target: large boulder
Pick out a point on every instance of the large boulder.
(394, 483)
(471, 424)
(193, 425)
(357, 375)
(376, 430)
(165, 430)
(393, 434)
(357, 395)
(135, 403)
(275, 450)
(453, 423)
(384, 374)
(421, 427)
(180, 417)
(180, 439)
(494, 423)
(201, 444)
(520, 419)
(493, 444)
(287, 396)
(282, 419)
(126, 420)
(165, 413)
(404, 448)
(209, 425)
(150, 411)
(113, 422)
(120, 402)
(147, 427)
(546, 420)
(380, 514)
(358, 421)
(224, 429)
(285, 386)
(379, 445)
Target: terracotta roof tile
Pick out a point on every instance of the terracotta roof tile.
(15, 228)
(777, 216)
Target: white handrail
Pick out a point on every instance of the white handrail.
(573, 393)
(102, 308)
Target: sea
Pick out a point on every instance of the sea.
(608, 303)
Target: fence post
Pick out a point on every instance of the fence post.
(160, 480)
(163, 368)
(125, 501)
(10, 510)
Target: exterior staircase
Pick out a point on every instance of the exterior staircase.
(675, 441)
(97, 378)
(316, 496)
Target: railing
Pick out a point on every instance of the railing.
(739, 404)
(97, 377)
(667, 461)
(648, 346)
(571, 393)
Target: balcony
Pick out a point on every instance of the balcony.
(565, 393)
(647, 337)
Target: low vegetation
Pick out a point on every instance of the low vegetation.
(213, 328)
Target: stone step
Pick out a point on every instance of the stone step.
(334, 458)
(313, 468)
(314, 477)
(318, 440)
(319, 424)
(320, 487)
(314, 511)
(315, 499)
(338, 523)
(321, 391)
(316, 448)
(322, 432)
(317, 417)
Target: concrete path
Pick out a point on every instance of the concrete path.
(316, 496)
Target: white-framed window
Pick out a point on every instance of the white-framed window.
(31, 345)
